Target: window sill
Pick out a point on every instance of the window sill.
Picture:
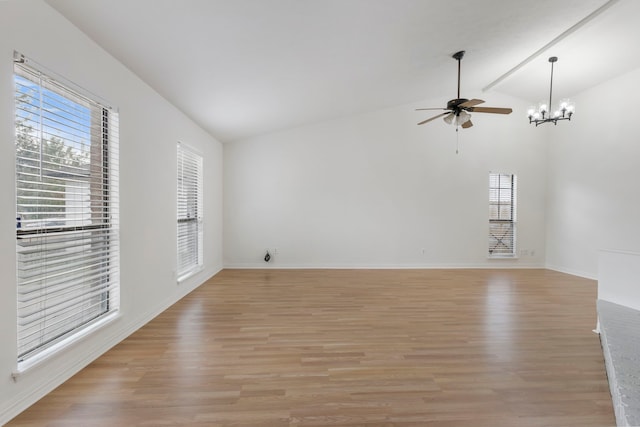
(189, 274)
(35, 361)
(502, 257)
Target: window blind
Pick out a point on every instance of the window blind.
(66, 210)
(190, 227)
(502, 215)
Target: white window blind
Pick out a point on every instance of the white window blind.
(66, 210)
(190, 227)
(502, 215)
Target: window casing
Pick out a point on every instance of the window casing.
(502, 215)
(189, 201)
(67, 218)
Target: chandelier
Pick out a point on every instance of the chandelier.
(543, 114)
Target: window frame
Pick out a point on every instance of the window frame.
(190, 211)
(86, 233)
(502, 242)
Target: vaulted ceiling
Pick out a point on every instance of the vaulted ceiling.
(241, 68)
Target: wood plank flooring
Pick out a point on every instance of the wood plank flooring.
(266, 348)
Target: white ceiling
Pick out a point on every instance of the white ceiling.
(241, 68)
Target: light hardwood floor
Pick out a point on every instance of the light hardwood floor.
(353, 348)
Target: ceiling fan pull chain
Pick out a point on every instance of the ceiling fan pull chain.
(457, 139)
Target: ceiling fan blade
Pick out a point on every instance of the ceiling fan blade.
(493, 110)
(467, 124)
(433, 118)
(425, 109)
(471, 103)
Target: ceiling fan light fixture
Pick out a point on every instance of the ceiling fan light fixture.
(542, 113)
(449, 118)
(462, 118)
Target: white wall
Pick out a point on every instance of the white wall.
(374, 190)
(149, 130)
(594, 176)
(618, 276)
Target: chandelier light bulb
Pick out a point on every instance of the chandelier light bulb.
(543, 108)
(531, 111)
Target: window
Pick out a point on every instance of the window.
(190, 229)
(502, 215)
(66, 210)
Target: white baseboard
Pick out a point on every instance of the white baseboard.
(578, 273)
(264, 265)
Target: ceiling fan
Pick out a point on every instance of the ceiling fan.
(457, 110)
